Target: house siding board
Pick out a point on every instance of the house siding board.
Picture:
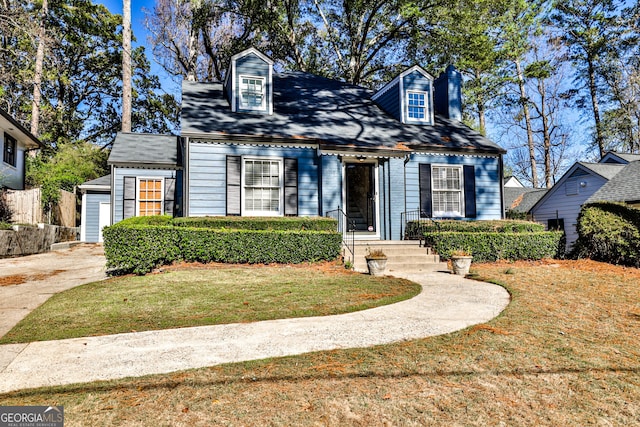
(254, 66)
(118, 187)
(331, 183)
(560, 205)
(92, 214)
(487, 181)
(416, 81)
(396, 197)
(390, 101)
(207, 175)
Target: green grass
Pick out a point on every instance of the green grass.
(206, 296)
(564, 352)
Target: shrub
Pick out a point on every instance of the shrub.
(492, 246)
(258, 223)
(6, 213)
(494, 226)
(139, 245)
(139, 248)
(609, 232)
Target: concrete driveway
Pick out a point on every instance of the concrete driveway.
(27, 282)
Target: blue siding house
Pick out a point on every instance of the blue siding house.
(263, 143)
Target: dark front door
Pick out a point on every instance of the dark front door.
(360, 195)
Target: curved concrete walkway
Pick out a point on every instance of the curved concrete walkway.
(446, 304)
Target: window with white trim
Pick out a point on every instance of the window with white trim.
(150, 196)
(447, 191)
(262, 184)
(417, 105)
(252, 93)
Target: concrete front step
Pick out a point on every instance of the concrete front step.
(402, 256)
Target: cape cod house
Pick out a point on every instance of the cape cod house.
(292, 143)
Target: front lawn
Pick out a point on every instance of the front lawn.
(564, 352)
(196, 295)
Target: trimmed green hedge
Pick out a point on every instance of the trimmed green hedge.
(134, 247)
(609, 232)
(489, 226)
(258, 223)
(492, 246)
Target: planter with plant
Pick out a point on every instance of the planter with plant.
(376, 261)
(461, 262)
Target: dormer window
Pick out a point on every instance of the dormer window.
(249, 83)
(252, 93)
(416, 105)
(408, 97)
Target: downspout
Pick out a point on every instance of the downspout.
(112, 195)
(501, 181)
(319, 160)
(186, 160)
(389, 233)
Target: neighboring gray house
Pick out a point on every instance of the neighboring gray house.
(263, 143)
(522, 199)
(96, 208)
(15, 141)
(615, 178)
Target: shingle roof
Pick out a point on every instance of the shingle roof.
(317, 110)
(627, 157)
(624, 187)
(98, 182)
(145, 149)
(31, 142)
(605, 170)
(522, 199)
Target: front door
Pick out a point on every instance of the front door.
(361, 196)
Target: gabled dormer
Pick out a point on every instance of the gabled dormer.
(249, 82)
(408, 97)
(414, 96)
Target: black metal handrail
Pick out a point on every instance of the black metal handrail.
(411, 225)
(346, 226)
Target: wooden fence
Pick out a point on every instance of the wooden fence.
(26, 206)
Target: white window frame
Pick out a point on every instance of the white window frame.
(460, 192)
(263, 105)
(249, 212)
(426, 116)
(139, 199)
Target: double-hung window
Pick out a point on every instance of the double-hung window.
(447, 191)
(252, 93)
(262, 184)
(417, 105)
(150, 193)
(9, 154)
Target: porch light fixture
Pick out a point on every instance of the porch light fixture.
(360, 158)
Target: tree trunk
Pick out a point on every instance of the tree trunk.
(596, 108)
(527, 119)
(546, 135)
(482, 119)
(126, 66)
(37, 74)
